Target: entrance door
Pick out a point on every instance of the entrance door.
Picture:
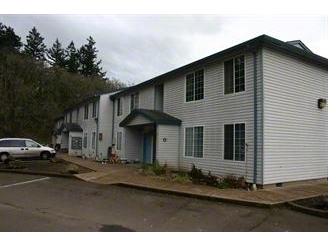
(147, 148)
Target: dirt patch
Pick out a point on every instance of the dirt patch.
(55, 165)
(319, 202)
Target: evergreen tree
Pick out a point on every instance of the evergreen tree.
(34, 45)
(57, 55)
(89, 66)
(9, 39)
(72, 62)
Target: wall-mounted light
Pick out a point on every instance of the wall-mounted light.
(322, 103)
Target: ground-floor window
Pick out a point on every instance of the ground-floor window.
(119, 141)
(93, 140)
(85, 140)
(234, 142)
(194, 141)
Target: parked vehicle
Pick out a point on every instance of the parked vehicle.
(24, 148)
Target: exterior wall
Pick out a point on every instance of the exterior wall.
(215, 110)
(105, 123)
(132, 149)
(295, 130)
(133, 146)
(74, 152)
(88, 125)
(167, 146)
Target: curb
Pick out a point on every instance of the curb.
(203, 197)
(40, 173)
(307, 210)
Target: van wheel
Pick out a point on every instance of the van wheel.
(45, 155)
(3, 156)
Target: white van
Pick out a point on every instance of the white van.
(24, 148)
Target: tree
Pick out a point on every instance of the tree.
(9, 39)
(34, 45)
(72, 62)
(56, 55)
(89, 66)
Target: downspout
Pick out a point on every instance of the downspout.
(255, 117)
(113, 121)
(97, 129)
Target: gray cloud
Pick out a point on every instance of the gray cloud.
(135, 48)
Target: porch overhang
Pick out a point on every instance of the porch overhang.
(154, 116)
(69, 127)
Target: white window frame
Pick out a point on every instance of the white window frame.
(94, 109)
(185, 86)
(119, 138)
(93, 140)
(234, 79)
(119, 107)
(86, 112)
(134, 101)
(193, 146)
(234, 142)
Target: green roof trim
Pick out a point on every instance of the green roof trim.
(155, 116)
(250, 45)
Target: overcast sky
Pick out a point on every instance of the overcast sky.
(137, 47)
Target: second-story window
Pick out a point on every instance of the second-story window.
(119, 107)
(234, 75)
(195, 86)
(134, 101)
(94, 109)
(86, 111)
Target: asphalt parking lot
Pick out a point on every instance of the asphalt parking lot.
(40, 203)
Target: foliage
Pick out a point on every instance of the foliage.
(32, 93)
(56, 55)
(34, 45)
(9, 39)
(72, 58)
(89, 66)
(197, 175)
(154, 168)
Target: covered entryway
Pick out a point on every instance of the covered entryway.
(144, 140)
(70, 135)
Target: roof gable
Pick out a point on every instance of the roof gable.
(154, 116)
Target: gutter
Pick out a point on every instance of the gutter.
(254, 51)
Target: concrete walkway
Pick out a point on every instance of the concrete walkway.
(127, 175)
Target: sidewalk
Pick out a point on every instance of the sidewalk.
(126, 175)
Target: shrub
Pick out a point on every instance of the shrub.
(211, 180)
(71, 169)
(154, 168)
(197, 175)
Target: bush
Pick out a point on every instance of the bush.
(197, 175)
(71, 169)
(154, 168)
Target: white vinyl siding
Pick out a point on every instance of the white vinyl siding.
(85, 140)
(119, 141)
(295, 130)
(167, 145)
(213, 112)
